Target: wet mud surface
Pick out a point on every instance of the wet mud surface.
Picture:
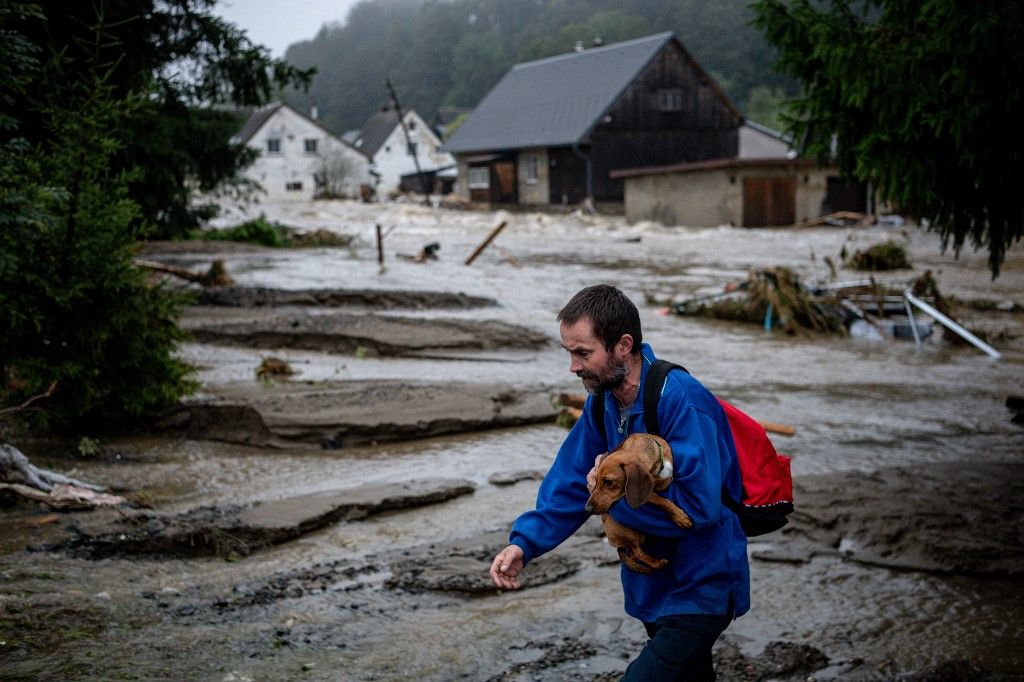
(901, 562)
(369, 334)
(257, 297)
(337, 415)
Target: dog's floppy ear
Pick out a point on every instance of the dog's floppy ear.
(639, 484)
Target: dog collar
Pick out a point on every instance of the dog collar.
(665, 468)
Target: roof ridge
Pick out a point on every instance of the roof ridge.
(655, 37)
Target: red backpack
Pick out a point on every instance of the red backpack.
(767, 481)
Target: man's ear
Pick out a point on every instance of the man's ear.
(625, 344)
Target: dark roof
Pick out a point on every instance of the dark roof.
(715, 164)
(556, 101)
(377, 129)
(259, 117)
(256, 120)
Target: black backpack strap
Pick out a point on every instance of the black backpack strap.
(653, 384)
(597, 408)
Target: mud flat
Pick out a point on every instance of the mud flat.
(368, 334)
(942, 518)
(342, 414)
(257, 297)
(237, 532)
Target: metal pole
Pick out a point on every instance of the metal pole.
(913, 322)
(950, 324)
(408, 140)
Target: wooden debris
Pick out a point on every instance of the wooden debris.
(216, 276)
(65, 497)
(490, 238)
(272, 368)
(839, 219)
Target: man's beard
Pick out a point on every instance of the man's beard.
(609, 380)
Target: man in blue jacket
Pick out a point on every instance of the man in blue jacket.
(689, 603)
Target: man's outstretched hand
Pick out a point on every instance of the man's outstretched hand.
(506, 567)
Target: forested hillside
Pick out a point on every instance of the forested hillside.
(440, 52)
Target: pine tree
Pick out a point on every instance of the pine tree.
(924, 99)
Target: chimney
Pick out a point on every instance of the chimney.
(314, 113)
(579, 46)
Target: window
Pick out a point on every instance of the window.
(479, 177)
(670, 99)
(309, 145)
(273, 145)
(412, 125)
(411, 149)
(293, 186)
(531, 170)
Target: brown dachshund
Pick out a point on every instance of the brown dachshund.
(639, 467)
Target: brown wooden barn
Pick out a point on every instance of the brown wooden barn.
(552, 130)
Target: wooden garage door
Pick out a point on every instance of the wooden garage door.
(769, 200)
(505, 177)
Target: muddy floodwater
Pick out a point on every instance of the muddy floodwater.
(868, 585)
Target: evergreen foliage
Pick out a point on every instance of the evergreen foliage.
(922, 99)
(451, 53)
(73, 308)
(188, 62)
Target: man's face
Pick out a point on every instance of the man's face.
(599, 369)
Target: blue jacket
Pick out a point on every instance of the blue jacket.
(708, 563)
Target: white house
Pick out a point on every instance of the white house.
(383, 140)
(300, 160)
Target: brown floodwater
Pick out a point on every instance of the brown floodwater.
(857, 405)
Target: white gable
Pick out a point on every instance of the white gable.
(298, 159)
(393, 159)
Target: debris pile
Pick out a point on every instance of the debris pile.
(888, 255)
(775, 298)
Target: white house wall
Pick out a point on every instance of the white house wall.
(393, 159)
(288, 174)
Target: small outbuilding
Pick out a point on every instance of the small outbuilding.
(741, 192)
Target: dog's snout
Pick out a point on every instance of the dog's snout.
(589, 508)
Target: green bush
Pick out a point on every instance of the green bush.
(255, 231)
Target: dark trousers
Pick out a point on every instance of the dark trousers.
(679, 648)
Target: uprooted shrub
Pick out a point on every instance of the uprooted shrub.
(888, 255)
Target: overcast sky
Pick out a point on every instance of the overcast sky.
(277, 24)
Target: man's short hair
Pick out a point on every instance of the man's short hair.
(610, 313)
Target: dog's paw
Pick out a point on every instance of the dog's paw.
(682, 520)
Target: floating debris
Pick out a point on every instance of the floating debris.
(774, 298)
(273, 368)
(889, 255)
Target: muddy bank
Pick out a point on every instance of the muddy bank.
(239, 531)
(344, 414)
(257, 297)
(368, 334)
(962, 519)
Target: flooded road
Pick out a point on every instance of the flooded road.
(857, 406)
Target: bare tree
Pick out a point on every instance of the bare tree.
(333, 174)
